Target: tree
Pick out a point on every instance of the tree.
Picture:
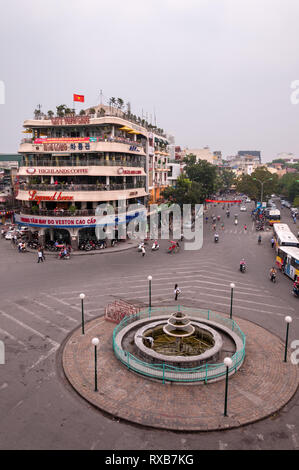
(61, 110)
(82, 112)
(293, 190)
(91, 111)
(120, 103)
(50, 114)
(260, 181)
(185, 192)
(201, 172)
(286, 185)
(225, 179)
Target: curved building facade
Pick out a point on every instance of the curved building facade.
(71, 164)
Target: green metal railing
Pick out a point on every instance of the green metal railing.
(166, 372)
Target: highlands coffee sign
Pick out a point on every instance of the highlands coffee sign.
(56, 171)
(57, 196)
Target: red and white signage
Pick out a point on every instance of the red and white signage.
(57, 196)
(122, 171)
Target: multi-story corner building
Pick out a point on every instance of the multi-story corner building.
(158, 153)
(71, 164)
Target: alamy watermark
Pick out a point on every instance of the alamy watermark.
(295, 94)
(161, 222)
(2, 92)
(2, 353)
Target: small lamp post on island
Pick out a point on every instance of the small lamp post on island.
(228, 363)
(288, 320)
(232, 286)
(82, 297)
(95, 342)
(149, 278)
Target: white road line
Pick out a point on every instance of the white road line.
(29, 328)
(42, 358)
(86, 312)
(12, 337)
(48, 307)
(241, 300)
(38, 317)
(239, 307)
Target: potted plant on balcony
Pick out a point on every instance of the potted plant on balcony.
(72, 209)
(34, 209)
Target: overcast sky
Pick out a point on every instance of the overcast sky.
(215, 72)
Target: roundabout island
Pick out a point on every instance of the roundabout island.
(165, 367)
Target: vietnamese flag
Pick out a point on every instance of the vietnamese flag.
(79, 98)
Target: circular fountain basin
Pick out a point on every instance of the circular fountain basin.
(181, 359)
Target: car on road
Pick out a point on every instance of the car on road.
(248, 199)
(243, 208)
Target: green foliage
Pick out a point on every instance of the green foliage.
(185, 192)
(203, 173)
(296, 201)
(252, 184)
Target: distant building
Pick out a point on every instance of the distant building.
(201, 154)
(288, 157)
(245, 162)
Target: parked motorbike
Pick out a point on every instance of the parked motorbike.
(216, 238)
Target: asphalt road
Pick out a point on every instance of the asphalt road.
(40, 306)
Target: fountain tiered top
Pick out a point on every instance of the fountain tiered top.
(179, 325)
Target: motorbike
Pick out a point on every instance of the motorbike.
(259, 240)
(236, 221)
(101, 244)
(243, 268)
(64, 256)
(273, 277)
(259, 228)
(140, 246)
(155, 247)
(114, 242)
(295, 292)
(227, 214)
(216, 239)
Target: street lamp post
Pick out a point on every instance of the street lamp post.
(232, 286)
(82, 297)
(262, 187)
(288, 320)
(95, 342)
(228, 363)
(149, 278)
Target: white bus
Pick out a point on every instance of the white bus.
(287, 260)
(283, 236)
(273, 216)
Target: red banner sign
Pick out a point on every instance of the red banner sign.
(219, 201)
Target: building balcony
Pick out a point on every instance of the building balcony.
(80, 187)
(74, 162)
(79, 193)
(68, 147)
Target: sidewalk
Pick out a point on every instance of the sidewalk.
(121, 246)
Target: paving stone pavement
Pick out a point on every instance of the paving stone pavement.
(262, 386)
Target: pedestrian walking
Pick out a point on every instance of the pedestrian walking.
(272, 242)
(143, 251)
(177, 292)
(40, 256)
